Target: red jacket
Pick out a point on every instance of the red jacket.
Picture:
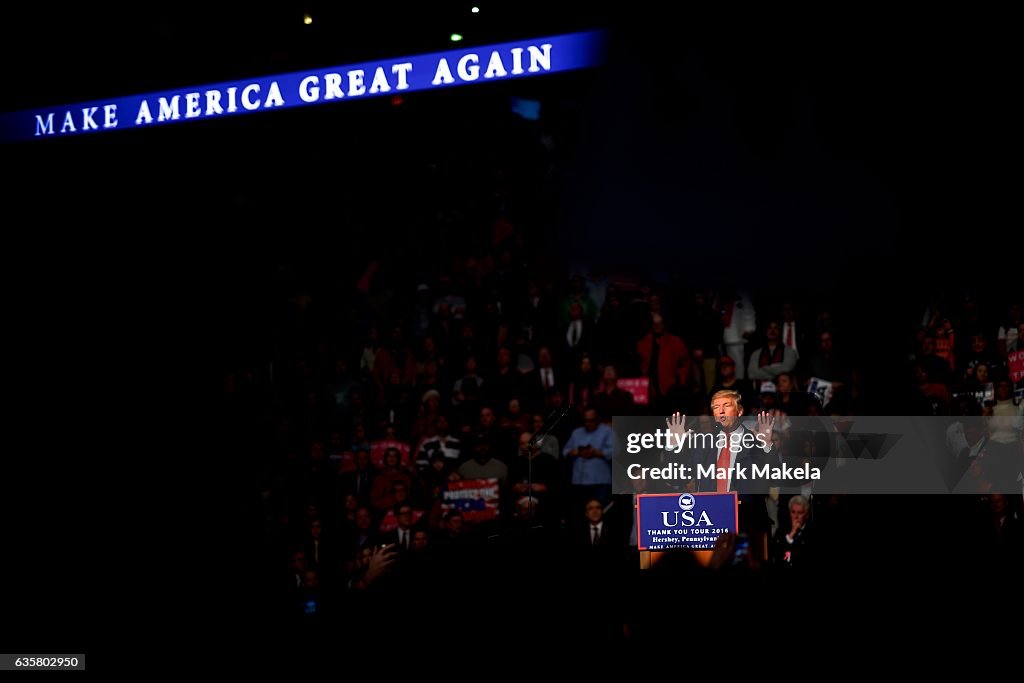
(673, 360)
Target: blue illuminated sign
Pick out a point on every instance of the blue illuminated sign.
(684, 520)
(384, 77)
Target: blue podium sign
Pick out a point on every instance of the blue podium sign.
(684, 520)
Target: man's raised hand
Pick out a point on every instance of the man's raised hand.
(677, 425)
(765, 425)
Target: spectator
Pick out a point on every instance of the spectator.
(372, 564)
(387, 441)
(382, 494)
(429, 411)
(704, 337)
(790, 399)
(514, 419)
(396, 356)
(769, 404)
(936, 369)
(539, 314)
(824, 364)
(596, 531)
(728, 380)
(535, 473)
(610, 400)
(298, 567)
(452, 534)
(482, 465)
(359, 482)
(502, 441)
(739, 322)
(401, 536)
(584, 382)
(442, 442)
(661, 355)
(774, 357)
(590, 451)
(612, 343)
(371, 346)
(505, 383)
(979, 353)
(578, 334)
(363, 532)
(549, 443)
(794, 544)
(1009, 331)
(794, 333)
(470, 374)
(429, 379)
(578, 296)
(543, 378)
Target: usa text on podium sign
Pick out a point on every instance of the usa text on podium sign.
(684, 520)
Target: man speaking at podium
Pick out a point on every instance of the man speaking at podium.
(732, 453)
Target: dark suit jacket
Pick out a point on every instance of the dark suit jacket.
(799, 553)
(570, 355)
(391, 538)
(350, 483)
(746, 458)
(753, 513)
(533, 386)
(612, 535)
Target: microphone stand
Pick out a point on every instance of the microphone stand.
(532, 443)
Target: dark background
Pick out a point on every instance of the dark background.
(874, 147)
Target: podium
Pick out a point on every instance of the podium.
(676, 522)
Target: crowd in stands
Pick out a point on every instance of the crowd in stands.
(422, 377)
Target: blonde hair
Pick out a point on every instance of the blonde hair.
(728, 393)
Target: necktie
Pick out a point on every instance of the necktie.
(789, 335)
(405, 539)
(595, 536)
(722, 485)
